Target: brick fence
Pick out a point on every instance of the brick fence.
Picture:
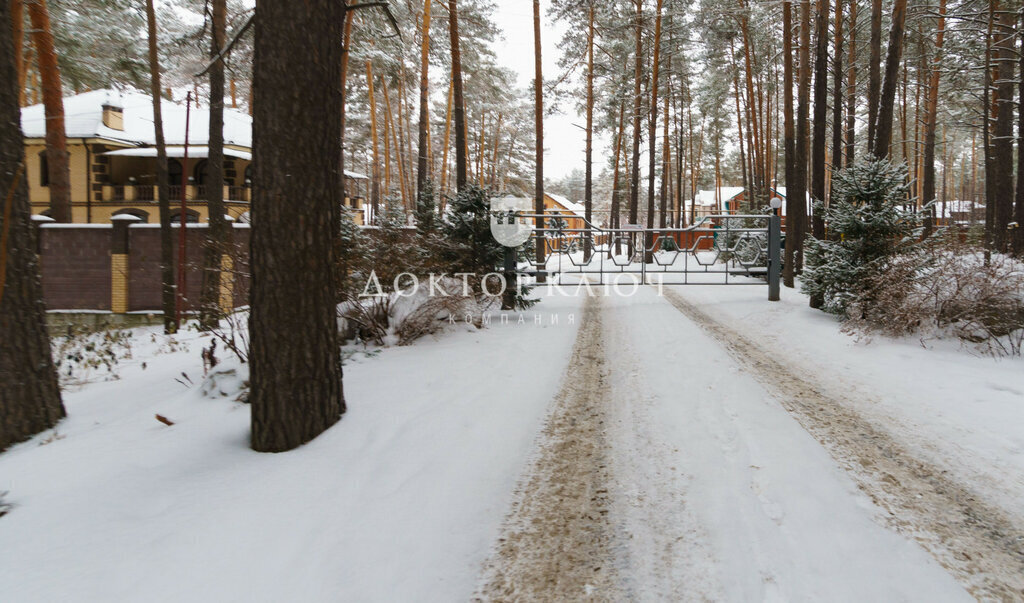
(116, 267)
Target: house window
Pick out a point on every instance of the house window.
(191, 216)
(199, 172)
(174, 172)
(44, 169)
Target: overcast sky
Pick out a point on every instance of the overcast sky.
(563, 142)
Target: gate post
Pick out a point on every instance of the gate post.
(511, 282)
(774, 257)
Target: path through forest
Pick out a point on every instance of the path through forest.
(681, 461)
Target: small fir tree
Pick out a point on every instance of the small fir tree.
(867, 226)
(468, 245)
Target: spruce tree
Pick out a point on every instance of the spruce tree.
(867, 225)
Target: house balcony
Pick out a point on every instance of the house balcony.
(129, 193)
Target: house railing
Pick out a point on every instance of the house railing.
(148, 193)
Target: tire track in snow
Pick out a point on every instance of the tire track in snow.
(974, 541)
(557, 542)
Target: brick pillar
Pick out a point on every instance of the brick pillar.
(37, 238)
(119, 263)
(227, 271)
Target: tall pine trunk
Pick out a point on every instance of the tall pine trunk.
(162, 179)
(837, 94)
(295, 375)
(423, 148)
(851, 87)
(1018, 240)
(53, 107)
(796, 223)
(460, 102)
(375, 184)
(29, 395)
(883, 129)
(820, 112)
(538, 119)
(613, 220)
(790, 139)
(652, 146)
(217, 233)
(931, 117)
(634, 177)
(1002, 139)
(588, 187)
(819, 121)
(874, 72)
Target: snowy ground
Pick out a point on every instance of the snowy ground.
(703, 475)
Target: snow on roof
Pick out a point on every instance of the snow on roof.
(194, 152)
(707, 198)
(576, 208)
(83, 118)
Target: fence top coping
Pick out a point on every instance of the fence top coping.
(189, 225)
(58, 225)
(125, 218)
(41, 218)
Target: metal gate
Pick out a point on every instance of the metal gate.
(718, 250)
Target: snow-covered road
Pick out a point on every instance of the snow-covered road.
(716, 491)
(661, 452)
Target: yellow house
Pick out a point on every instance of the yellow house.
(111, 144)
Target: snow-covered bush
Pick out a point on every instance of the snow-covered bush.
(867, 227)
(946, 289)
(85, 354)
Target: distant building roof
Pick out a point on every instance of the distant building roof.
(575, 208)
(727, 193)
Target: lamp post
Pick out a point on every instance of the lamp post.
(774, 248)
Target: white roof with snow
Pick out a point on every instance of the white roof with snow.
(83, 118)
(727, 193)
(576, 208)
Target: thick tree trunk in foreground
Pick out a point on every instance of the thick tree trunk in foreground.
(162, 179)
(53, 107)
(29, 395)
(883, 129)
(460, 99)
(217, 233)
(18, 23)
(295, 353)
